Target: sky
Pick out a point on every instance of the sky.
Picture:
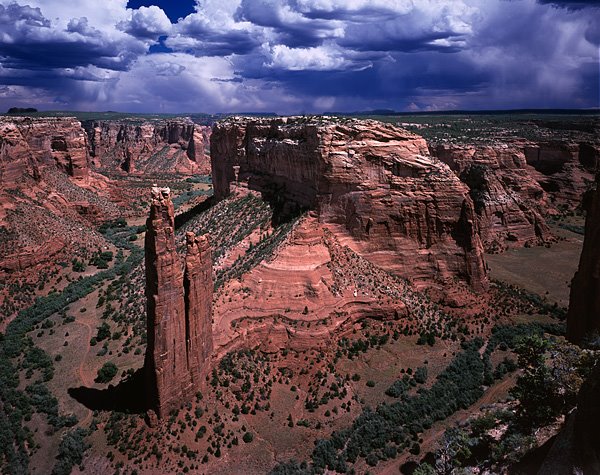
(298, 56)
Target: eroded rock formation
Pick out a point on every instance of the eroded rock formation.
(583, 319)
(374, 185)
(176, 145)
(509, 202)
(47, 191)
(179, 310)
(564, 168)
(27, 145)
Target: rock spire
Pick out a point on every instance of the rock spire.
(179, 309)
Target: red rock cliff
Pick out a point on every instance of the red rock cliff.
(198, 285)
(509, 202)
(178, 317)
(28, 144)
(166, 146)
(373, 184)
(583, 319)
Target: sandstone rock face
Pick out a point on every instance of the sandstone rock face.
(583, 319)
(27, 144)
(509, 202)
(198, 290)
(564, 168)
(373, 184)
(179, 316)
(167, 146)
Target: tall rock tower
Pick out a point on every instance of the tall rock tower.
(198, 288)
(583, 319)
(179, 309)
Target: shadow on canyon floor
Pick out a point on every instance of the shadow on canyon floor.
(184, 217)
(127, 396)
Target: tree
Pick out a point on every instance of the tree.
(107, 372)
(536, 390)
(452, 452)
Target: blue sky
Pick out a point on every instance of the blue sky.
(290, 56)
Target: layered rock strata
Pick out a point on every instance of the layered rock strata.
(510, 203)
(583, 319)
(179, 310)
(373, 184)
(27, 145)
(564, 169)
(176, 145)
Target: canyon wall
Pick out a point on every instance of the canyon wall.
(176, 145)
(27, 145)
(564, 168)
(179, 310)
(45, 197)
(509, 202)
(583, 319)
(373, 184)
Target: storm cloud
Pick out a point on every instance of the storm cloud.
(299, 55)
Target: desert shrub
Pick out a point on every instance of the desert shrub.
(70, 451)
(107, 372)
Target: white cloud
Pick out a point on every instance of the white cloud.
(319, 58)
(147, 22)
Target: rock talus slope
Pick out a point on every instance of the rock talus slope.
(373, 184)
(178, 316)
(47, 190)
(583, 319)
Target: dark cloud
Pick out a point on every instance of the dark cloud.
(291, 26)
(291, 55)
(571, 4)
(30, 43)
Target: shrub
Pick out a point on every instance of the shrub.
(107, 372)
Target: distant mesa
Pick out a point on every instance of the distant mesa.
(21, 110)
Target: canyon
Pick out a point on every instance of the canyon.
(328, 265)
(372, 184)
(169, 146)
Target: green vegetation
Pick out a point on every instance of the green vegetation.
(107, 372)
(70, 451)
(375, 433)
(17, 349)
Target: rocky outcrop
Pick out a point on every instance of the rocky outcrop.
(374, 185)
(583, 319)
(178, 315)
(198, 289)
(176, 145)
(564, 168)
(576, 449)
(28, 145)
(509, 202)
